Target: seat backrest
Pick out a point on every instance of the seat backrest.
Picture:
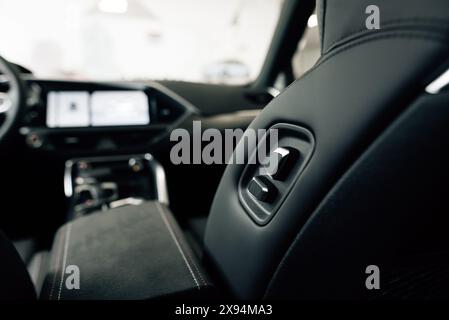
(372, 191)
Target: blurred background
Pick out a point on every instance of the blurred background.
(211, 41)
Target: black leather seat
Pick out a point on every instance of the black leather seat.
(374, 191)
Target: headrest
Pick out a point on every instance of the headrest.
(339, 19)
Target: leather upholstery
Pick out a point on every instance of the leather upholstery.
(342, 21)
(389, 209)
(362, 83)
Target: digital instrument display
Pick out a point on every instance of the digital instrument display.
(100, 108)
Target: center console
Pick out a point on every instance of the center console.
(121, 240)
(103, 183)
(132, 252)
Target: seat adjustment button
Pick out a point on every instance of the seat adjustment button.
(262, 189)
(282, 160)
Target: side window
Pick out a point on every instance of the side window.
(309, 48)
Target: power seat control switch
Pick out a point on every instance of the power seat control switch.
(262, 189)
(281, 162)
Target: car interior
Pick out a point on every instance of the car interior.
(89, 186)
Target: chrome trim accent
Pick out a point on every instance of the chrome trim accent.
(273, 92)
(161, 182)
(155, 166)
(126, 202)
(68, 188)
(438, 84)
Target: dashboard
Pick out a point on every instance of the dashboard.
(99, 108)
(84, 117)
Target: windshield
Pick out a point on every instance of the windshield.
(215, 41)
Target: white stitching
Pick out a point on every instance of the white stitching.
(192, 261)
(196, 268)
(58, 247)
(167, 224)
(64, 261)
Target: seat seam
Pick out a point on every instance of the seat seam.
(64, 259)
(424, 22)
(433, 30)
(324, 58)
(58, 258)
(376, 37)
(192, 260)
(186, 251)
(194, 264)
(170, 230)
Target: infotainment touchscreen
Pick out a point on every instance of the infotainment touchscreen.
(100, 108)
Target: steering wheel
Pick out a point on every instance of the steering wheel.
(12, 101)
